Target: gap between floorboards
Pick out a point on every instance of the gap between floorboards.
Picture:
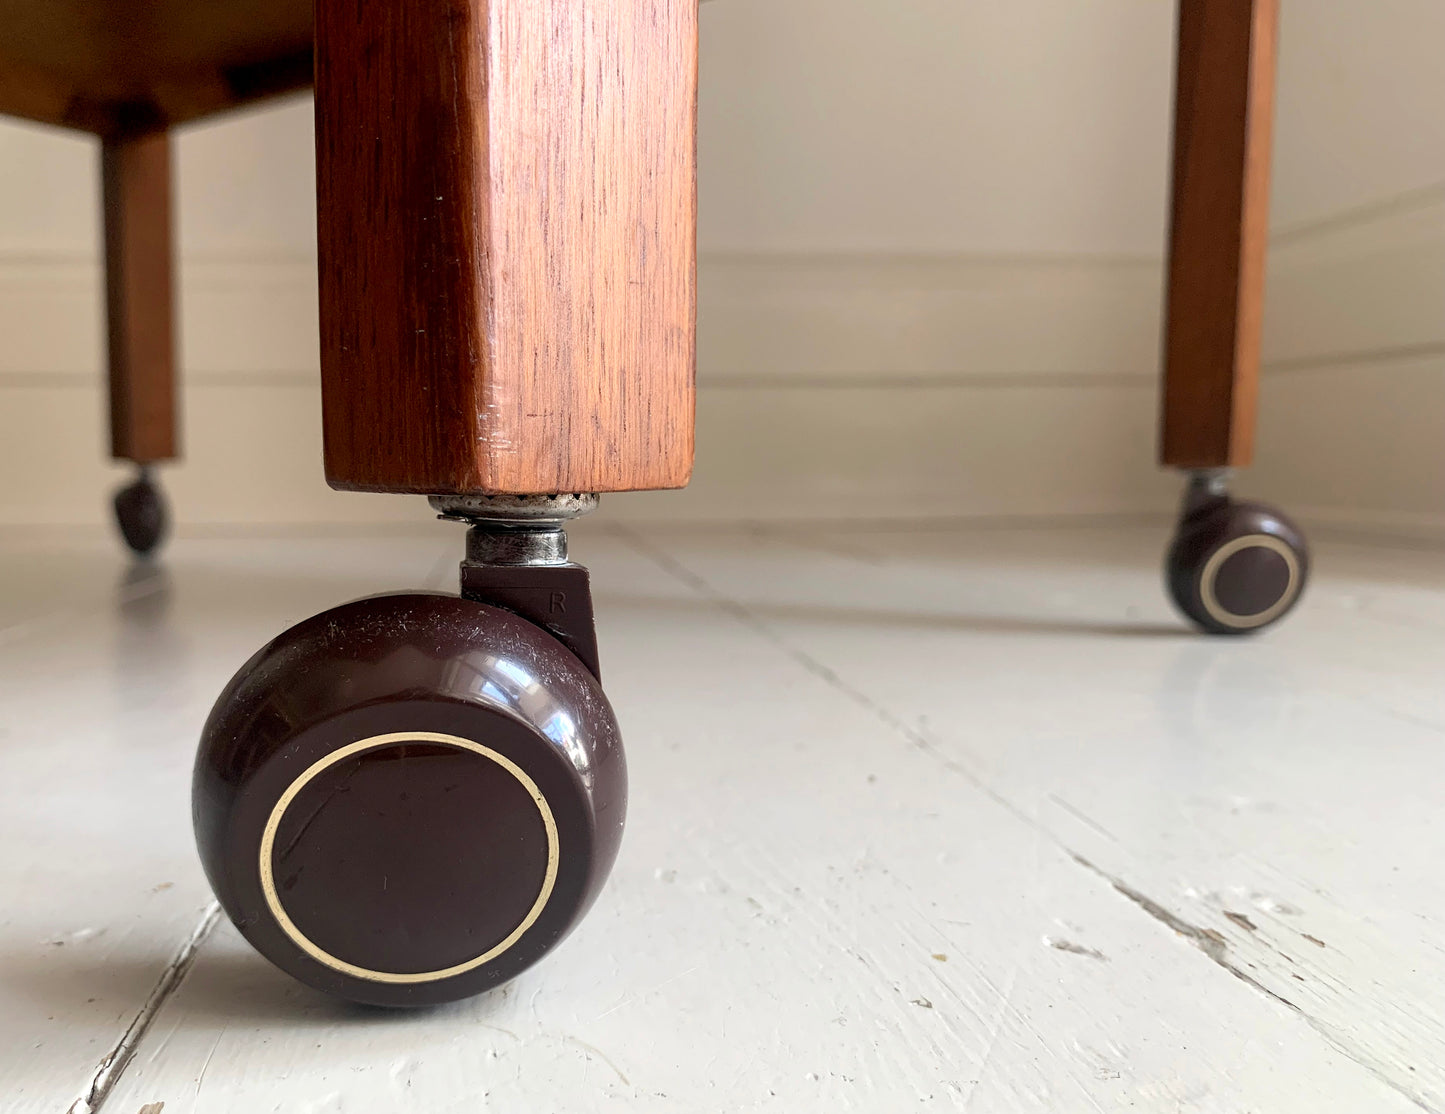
(112, 1066)
(1207, 941)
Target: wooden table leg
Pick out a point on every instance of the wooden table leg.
(136, 180)
(507, 268)
(1234, 567)
(507, 243)
(1219, 230)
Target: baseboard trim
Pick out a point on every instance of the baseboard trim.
(1359, 524)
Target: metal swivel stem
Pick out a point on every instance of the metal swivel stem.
(517, 560)
(1205, 487)
(515, 530)
(516, 546)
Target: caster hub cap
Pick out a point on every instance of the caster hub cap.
(1250, 581)
(409, 857)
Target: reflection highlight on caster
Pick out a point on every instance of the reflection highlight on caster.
(141, 513)
(1234, 567)
(412, 798)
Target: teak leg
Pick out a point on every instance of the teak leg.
(1219, 230)
(1234, 567)
(140, 313)
(506, 235)
(136, 182)
(507, 243)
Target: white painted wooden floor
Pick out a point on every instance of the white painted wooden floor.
(986, 830)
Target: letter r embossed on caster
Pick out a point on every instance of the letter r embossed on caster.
(411, 798)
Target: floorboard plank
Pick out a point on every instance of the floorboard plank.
(1273, 801)
(106, 674)
(813, 909)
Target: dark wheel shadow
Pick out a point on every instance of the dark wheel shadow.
(229, 984)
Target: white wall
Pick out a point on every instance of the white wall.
(931, 233)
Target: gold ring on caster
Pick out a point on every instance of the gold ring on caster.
(268, 840)
(1216, 561)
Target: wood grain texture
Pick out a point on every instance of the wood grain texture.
(1219, 229)
(507, 236)
(118, 67)
(140, 297)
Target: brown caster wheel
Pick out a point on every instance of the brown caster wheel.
(140, 512)
(1234, 567)
(410, 799)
